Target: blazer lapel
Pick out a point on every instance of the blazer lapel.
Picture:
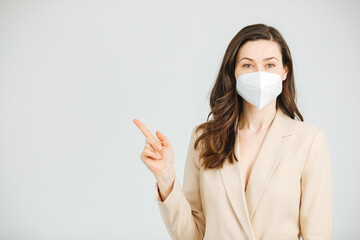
(273, 148)
(269, 156)
(234, 188)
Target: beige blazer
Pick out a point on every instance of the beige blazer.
(289, 192)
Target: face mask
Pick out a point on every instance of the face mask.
(259, 88)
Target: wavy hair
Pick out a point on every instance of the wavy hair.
(226, 104)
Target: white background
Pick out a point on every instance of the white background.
(74, 74)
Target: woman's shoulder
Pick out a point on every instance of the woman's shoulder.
(197, 130)
(306, 130)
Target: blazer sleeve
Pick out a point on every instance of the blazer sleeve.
(316, 207)
(182, 210)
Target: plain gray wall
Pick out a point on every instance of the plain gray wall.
(73, 75)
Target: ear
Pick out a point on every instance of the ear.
(286, 70)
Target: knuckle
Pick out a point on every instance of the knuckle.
(148, 152)
(149, 146)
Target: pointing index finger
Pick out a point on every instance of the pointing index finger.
(153, 141)
(143, 129)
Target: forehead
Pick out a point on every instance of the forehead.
(259, 49)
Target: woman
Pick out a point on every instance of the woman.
(253, 171)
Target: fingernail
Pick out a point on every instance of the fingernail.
(159, 147)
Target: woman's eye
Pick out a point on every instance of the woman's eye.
(246, 65)
(272, 65)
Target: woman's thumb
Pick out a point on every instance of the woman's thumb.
(162, 138)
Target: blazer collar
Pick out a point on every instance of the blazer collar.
(274, 146)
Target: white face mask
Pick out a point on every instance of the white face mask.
(259, 88)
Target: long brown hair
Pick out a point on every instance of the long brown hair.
(226, 104)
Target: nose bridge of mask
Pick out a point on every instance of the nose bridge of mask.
(259, 79)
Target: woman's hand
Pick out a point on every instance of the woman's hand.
(159, 161)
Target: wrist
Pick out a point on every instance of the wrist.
(166, 178)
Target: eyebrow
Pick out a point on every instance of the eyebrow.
(265, 59)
